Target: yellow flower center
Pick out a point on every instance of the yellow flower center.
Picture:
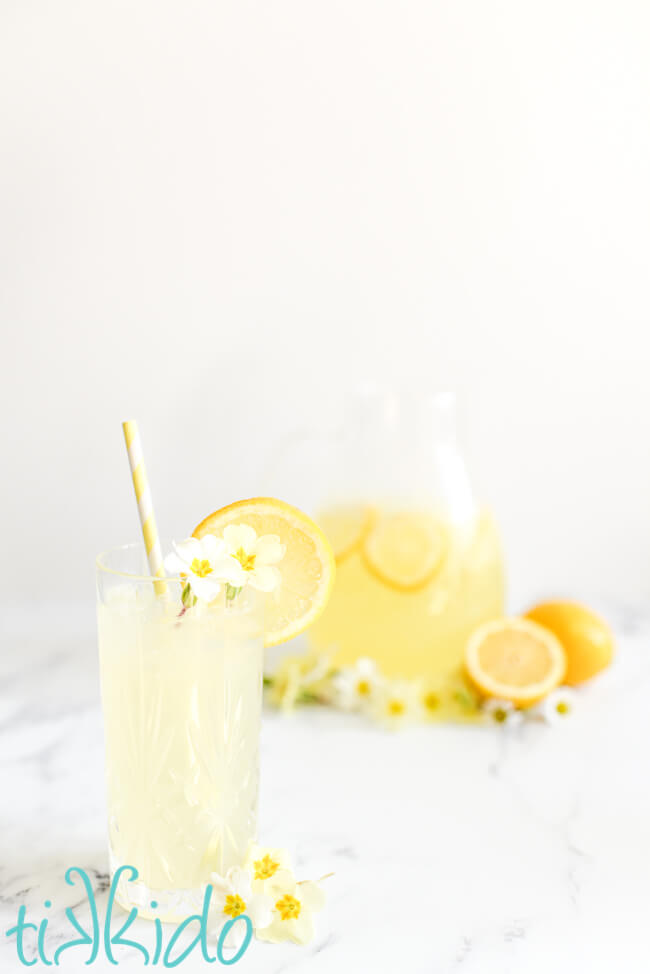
(202, 567)
(563, 708)
(395, 708)
(265, 867)
(234, 906)
(288, 907)
(363, 688)
(500, 715)
(431, 701)
(246, 561)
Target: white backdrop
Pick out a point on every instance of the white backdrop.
(219, 217)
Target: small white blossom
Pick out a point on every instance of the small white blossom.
(297, 678)
(431, 696)
(293, 907)
(396, 703)
(557, 706)
(263, 863)
(257, 556)
(205, 563)
(232, 895)
(354, 687)
(502, 712)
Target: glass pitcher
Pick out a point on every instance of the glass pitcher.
(419, 562)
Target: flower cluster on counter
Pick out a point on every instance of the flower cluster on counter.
(279, 907)
(361, 688)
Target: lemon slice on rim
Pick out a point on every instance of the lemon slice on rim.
(515, 660)
(404, 550)
(307, 569)
(346, 527)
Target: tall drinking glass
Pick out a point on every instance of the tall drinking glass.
(182, 697)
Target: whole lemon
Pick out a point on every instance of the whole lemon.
(587, 640)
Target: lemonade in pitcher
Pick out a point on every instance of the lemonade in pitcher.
(419, 561)
(411, 586)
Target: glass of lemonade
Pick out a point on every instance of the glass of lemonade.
(182, 697)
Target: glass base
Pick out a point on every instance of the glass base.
(172, 905)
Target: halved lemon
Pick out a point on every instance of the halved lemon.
(405, 549)
(307, 569)
(515, 659)
(346, 527)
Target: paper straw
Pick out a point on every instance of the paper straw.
(145, 504)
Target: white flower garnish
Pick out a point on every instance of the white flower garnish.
(557, 706)
(256, 556)
(431, 696)
(354, 687)
(232, 895)
(205, 563)
(263, 862)
(396, 702)
(298, 678)
(502, 712)
(293, 907)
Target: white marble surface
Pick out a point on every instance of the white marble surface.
(464, 849)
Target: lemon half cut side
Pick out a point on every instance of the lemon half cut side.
(516, 660)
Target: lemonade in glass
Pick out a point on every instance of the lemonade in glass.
(182, 696)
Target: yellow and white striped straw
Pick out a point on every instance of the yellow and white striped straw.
(145, 504)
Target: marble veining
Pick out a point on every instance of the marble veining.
(477, 850)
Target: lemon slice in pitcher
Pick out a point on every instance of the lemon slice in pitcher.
(515, 660)
(346, 527)
(404, 550)
(307, 569)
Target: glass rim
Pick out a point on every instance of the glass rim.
(133, 576)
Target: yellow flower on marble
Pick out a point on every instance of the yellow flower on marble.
(264, 863)
(288, 907)
(430, 702)
(234, 906)
(354, 687)
(234, 895)
(396, 702)
(294, 906)
(265, 867)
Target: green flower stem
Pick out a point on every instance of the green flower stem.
(187, 597)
